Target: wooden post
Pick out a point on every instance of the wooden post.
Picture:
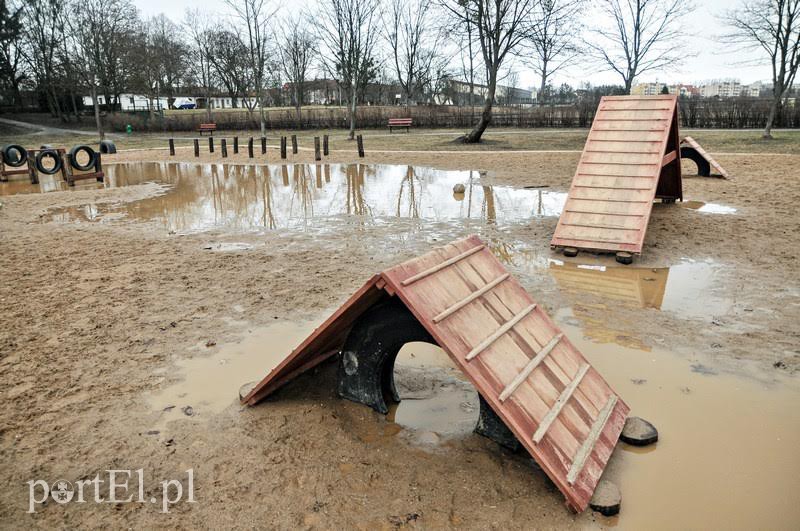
(294, 144)
(211, 144)
(263, 145)
(98, 169)
(196, 148)
(171, 147)
(317, 155)
(360, 141)
(283, 147)
(325, 145)
(33, 174)
(250, 147)
(236, 145)
(224, 145)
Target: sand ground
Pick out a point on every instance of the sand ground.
(95, 316)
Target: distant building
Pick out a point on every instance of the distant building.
(729, 88)
(131, 102)
(458, 93)
(647, 89)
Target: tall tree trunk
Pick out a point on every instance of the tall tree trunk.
(353, 97)
(74, 106)
(543, 83)
(474, 136)
(773, 113)
(97, 120)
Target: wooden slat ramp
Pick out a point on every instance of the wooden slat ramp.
(631, 157)
(532, 376)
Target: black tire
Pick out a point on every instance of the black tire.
(57, 162)
(14, 155)
(703, 167)
(73, 157)
(107, 147)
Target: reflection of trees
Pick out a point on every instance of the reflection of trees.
(302, 190)
(413, 202)
(355, 204)
(268, 217)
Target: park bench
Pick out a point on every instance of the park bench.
(209, 128)
(399, 122)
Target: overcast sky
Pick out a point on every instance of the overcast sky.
(713, 60)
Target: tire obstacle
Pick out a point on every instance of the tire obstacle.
(537, 390)
(691, 149)
(63, 162)
(631, 157)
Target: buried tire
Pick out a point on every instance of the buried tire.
(107, 147)
(14, 155)
(48, 153)
(73, 157)
(366, 364)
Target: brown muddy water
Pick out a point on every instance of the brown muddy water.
(727, 455)
(300, 196)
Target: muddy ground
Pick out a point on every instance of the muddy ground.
(96, 315)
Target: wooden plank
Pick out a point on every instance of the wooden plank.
(669, 157)
(556, 409)
(446, 263)
(515, 383)
(499, 332)
(588, 444)
(471, 297)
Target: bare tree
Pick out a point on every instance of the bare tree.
(254, 16)
(197, 26)
(638, 36)
(415, 44)
(43, 31)
(229, 58)
(347, 30)
(552, 42)
(295, 49)
(11, 71)
(773, 27)
(501, 26)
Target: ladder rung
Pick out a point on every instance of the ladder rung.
(439, 267)
(499, 332)
(528, 369)
(590, 226)
(559, 404)
(471, 297)
(588, 445)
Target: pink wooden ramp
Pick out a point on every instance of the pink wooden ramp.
(692, 144)
(631, 157)
(556, 404)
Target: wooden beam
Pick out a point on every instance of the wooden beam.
(669, 157)
(588, 445)
(499, 332)
(559, 404)
(528, 369)
(469, 298)
(439, 267)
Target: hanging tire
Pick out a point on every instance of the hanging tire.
(14, 155)
(73, 157)
(48, 153)
(107, 147)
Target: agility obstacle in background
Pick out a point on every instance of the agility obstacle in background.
(32, 162)
(534, 380)
(631, 157)
(691, 149)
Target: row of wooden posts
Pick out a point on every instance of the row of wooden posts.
(224, 146)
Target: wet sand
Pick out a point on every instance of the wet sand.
(116, 308)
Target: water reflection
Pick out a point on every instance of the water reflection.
(301, 195)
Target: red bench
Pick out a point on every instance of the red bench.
(207, 128)
(399, 122)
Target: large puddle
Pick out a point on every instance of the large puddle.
(299, 196)
(727, 455)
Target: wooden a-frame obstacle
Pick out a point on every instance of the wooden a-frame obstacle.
(691, 149)
(631, 157)
(541, 387)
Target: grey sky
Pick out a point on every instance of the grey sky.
(713, 60)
